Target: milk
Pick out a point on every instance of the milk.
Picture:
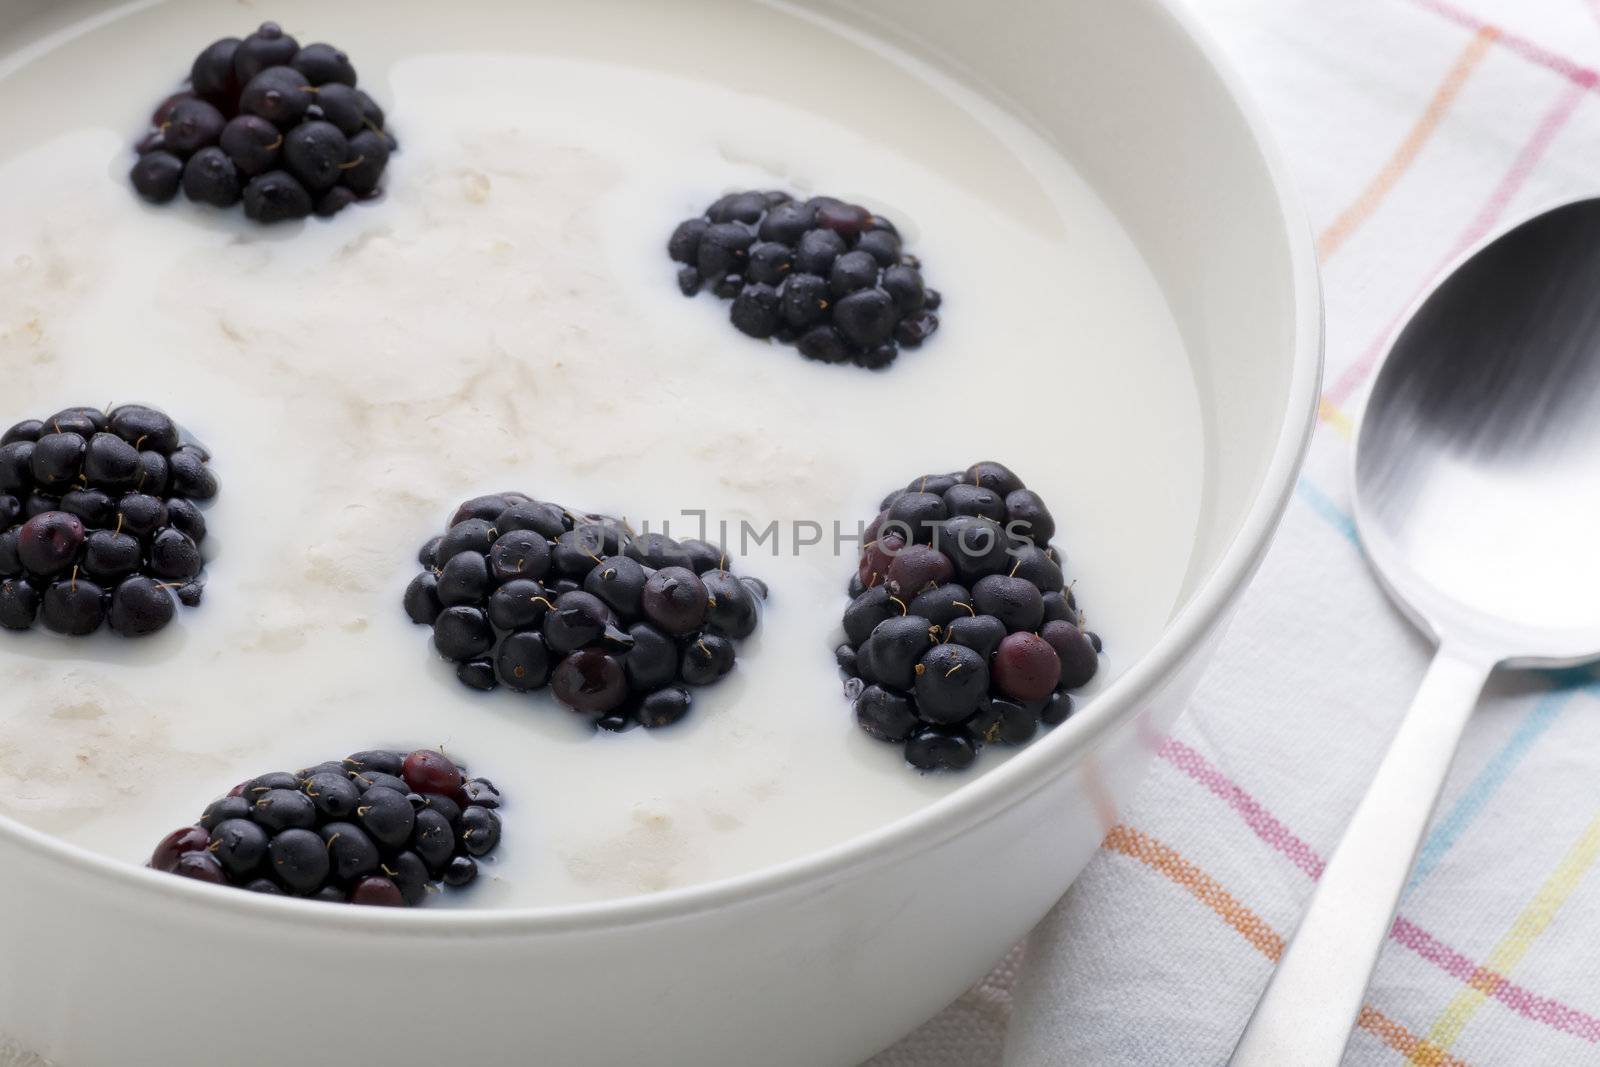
(507, 318)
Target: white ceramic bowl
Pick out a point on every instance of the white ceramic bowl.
(828, 958)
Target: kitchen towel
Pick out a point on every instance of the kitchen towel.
(1414, 128)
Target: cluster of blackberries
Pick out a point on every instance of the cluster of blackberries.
(962, 629)
(99, 522)
(281, 127)
(380, 827)
(527, 594)
(826, 275)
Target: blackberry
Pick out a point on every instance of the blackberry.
(656, 550)
(156, 176)
(191, 125)
(140, 606)
(344, 831)
(252, 144)
(212, 75)
(462, 633)
(19, 603)
(201, 866)
(280, 127)
(1076, 651)
(943, 604)
(323, 63)
(964, 498)
(618, 582)
(918, 517)
(269, 46)
(276, 197)
(824, 274)
(734, 610)
(886, 714)
(890, 656)
(652, 662)
(578, 619)
(141, 515)
(1016, 602)
(50, 543)
(342, 106)
(211, 178)
(351, 853)
(755, 310)
(72, 606)
(970, 636)
(935, 749)
(591, 681)
(57, 460)
(675, 600)
(429, 773)
(369, 155)
(520, 604)
(866, 611)
(422, 599)
(664, 706)
(177, 844)
(478, 830)
(917, 568)
(464, 580)
(951, 681)
(527, 595)
(706, 659)
(108, 524)
(432, 839)
(1026, 667)
(316, 152)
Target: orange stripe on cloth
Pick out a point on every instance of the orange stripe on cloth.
(1403, 1041)
(1357, 213)
(1165, 859)
(1206, 889)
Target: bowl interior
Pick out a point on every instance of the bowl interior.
(1143, 113)
(1148, 115)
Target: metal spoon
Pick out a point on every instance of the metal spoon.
(1477, 496)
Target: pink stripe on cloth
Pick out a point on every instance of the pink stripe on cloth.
(1524, 1002)
(1510, 184)
(1269, 828)
(1263, 822)
(1529, 50)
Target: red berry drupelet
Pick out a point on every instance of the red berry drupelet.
(621, 627)
(829, 277)
(380, 827)
(267, 122)
(962, 629)
(100, 521)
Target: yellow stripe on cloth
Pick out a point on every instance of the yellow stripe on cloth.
(1539, 913)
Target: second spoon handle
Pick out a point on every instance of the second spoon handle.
(1311, 1003)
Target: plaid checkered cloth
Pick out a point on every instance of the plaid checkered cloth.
(1415, 128)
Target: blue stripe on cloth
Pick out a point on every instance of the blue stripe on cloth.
(1319, 502)
(1448, 830)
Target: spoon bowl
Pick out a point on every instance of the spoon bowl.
(1478, 460)
(1477, 498)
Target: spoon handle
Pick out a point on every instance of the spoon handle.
(1311, 1003)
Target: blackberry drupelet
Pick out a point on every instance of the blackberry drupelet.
(527, 595)
(265, 122)
(962, 630)
(345, 831)
(824, 275)
(110, 528)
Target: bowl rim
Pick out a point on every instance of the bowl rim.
(978, 801)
